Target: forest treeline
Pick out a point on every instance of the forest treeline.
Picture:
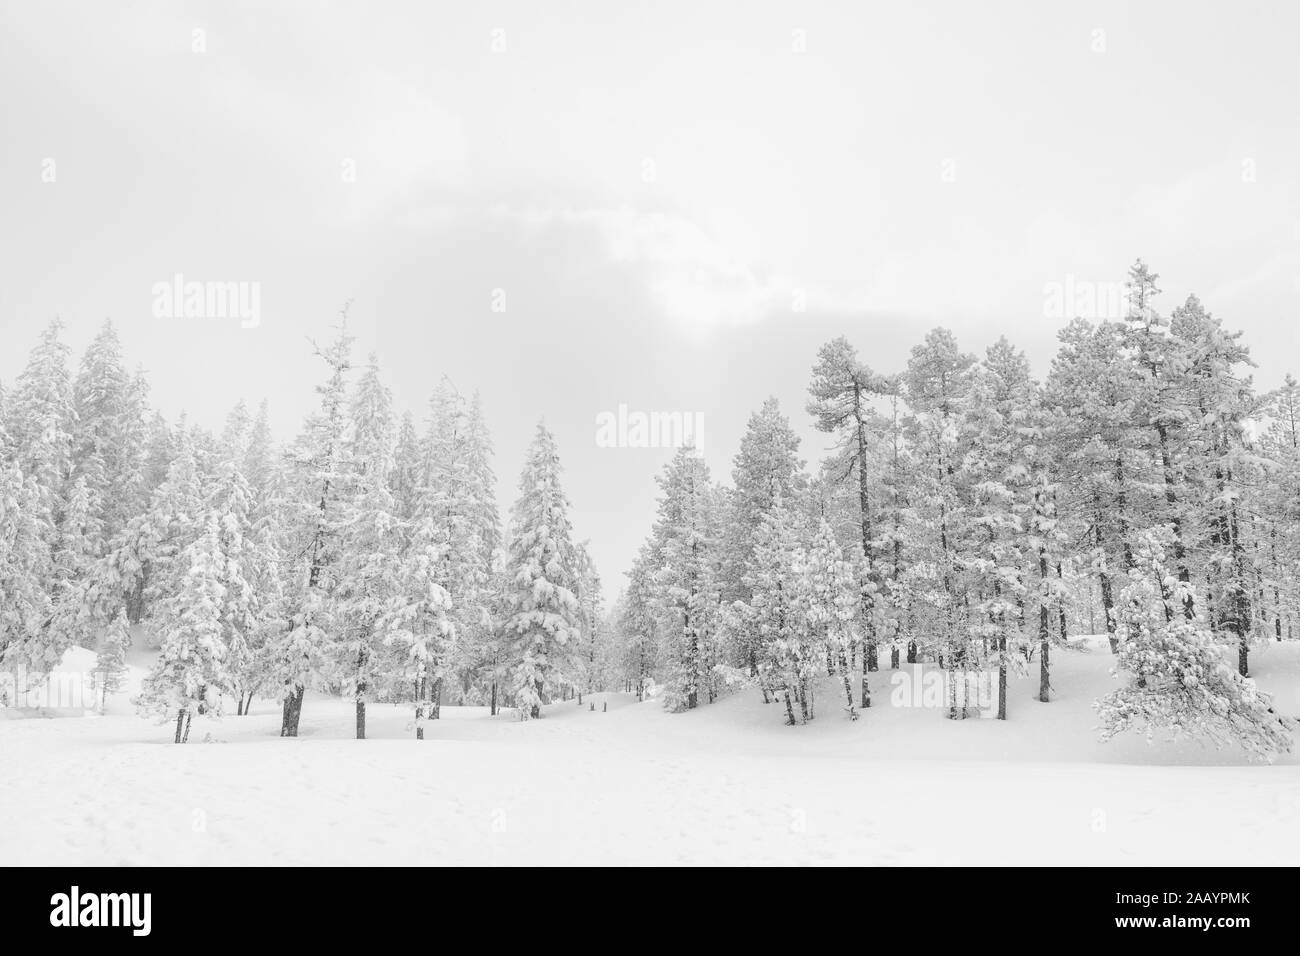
(365, 557)
(972, 515)
(969, 515)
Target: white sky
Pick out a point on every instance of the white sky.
(775, 172)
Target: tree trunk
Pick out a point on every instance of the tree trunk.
(180, 724)
(361, 693)
(420, 711)
(291, 711)
(1044, 632)
(1065, 632)
(848, 686)
(1002, 677)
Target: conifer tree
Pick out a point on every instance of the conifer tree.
(110, 662)
(189, 675)
(685, 580)
(1178, 679)
(542, 616)
(370, 539)
(323, 482)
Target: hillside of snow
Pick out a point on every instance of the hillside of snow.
(728, 783)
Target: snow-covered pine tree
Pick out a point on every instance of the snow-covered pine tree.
(1280, 505)
(637, 626)
(1222, 472)
(110, 662)
(767, 467)
(369, 545)
(79, 542)
(1003, 406)
(481, 482)
(323, 483)
(542, 617)
(1090, 395)
(840, 396)
(832, 604)
(235, 433)
(189, 674)
(779, 615)
(937, 386)
(1178, 678)
(259, 464)
(237, 571)
(25, 639)
(153, 549)
(451, 497)
(408, 468)
(419, 625)
(684, 576)
(267, 563)
(40, 418)
(109, 434)
(591, 619)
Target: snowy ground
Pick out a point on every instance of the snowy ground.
(634, 785)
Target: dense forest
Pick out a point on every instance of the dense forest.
(974, 516)
(971, 516)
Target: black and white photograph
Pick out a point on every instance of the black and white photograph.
(624, 434)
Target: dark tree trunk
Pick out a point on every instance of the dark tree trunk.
(420, 706)
(1108, 607)
(1065, 631)
(362, 656)
(848, 686)
(1044, 632)
(291, 711)
(180, 724)
(1002, 677)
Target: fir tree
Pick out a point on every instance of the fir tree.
(189, 674)
(110, 662)
(542, 621)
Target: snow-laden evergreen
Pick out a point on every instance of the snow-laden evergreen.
(1178, 680)
(965, 515)
(189, 675)
(542, 613)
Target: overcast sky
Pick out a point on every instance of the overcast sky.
(653, 188)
